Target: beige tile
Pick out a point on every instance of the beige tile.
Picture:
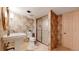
(61, 48)
(41, 47)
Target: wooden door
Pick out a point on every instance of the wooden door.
(67, 30)
(75, 30)
(70, 30)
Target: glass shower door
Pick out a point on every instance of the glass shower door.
(39, 31)
(45, 30)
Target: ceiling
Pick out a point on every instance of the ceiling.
(37, 12)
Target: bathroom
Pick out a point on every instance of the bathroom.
(20, 30)
(36, 28)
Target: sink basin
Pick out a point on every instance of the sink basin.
(14, 35)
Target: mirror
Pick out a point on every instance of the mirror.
(5, 17)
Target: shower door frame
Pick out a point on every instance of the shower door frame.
(41, 34)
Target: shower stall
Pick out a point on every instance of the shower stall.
(43, 30)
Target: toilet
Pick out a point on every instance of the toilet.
(31, 42)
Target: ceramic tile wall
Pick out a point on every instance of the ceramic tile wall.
(19, 23)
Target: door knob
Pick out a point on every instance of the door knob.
(65, 33)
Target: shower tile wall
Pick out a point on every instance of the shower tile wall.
(19, 23)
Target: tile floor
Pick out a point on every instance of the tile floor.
(41, 47)
(38, 47)
(61, 48)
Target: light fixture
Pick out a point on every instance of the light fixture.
(28, 11)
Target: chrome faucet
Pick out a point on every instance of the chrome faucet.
(8, 33)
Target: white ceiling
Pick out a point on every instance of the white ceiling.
(41, 11)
